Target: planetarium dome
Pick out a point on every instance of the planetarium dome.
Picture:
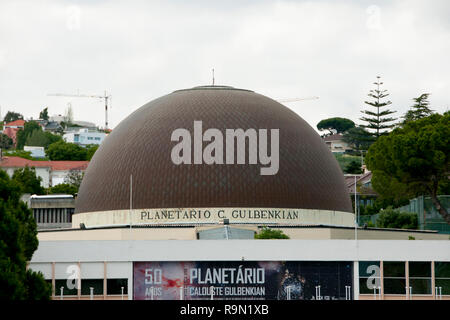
(308, 176)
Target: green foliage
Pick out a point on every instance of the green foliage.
(12, 116)
(339, 125)
(359, 138)
(378, 120)
(395, 219)
(353, 167)
(267, 233)
(413, 160)
(5, 141)
(18, 241)
(91, 149)
(28, 181)
(419, 110)
(19, 153)
(23, 134)
(74, 178)
(63, 188)
(61, 150)
(44, 114)
(39, 138)
(344, 160)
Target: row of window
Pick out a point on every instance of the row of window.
(53, 215)
(394, 277)
(113, 287)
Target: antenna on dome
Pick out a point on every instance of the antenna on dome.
(213, 76)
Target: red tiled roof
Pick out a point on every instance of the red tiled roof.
(17, 123)
(17, 162)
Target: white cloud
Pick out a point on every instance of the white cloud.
(140, 50)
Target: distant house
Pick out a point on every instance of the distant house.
(11, 129)
(84, 137)
(336, 143)
(51, 172)
(52, 126)
(36, 152)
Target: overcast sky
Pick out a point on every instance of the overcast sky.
(140, 50)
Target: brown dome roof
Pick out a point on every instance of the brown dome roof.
(309, 177)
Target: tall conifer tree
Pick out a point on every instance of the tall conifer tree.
(378, 120)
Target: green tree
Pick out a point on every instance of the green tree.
(66, 151)
(39, 138)
(419, 110)
(44, 114)
(378, 120)
(28, 181)
(354, 167)
(91, 149)
(18, 241)
(417, 156)
(390, 218)
(338, 125)
(12, 116)
(19, 153)
(5, 141)
(63, 188)
(23, 134)
(267, 233)
(74, 178)
(359, 138)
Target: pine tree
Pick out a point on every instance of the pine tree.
(419, 110)
(378, 120)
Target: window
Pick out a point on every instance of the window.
(96, 284)
(394, 277)
(442, 275)
(114, 286)
(66, 290)
(420, 277)
(369, 276)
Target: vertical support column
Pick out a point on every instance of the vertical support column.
(433, 281)
(408, 290)
(105, 283)
(356, 280)
(79, 283)
(53, 280)
(382, 279)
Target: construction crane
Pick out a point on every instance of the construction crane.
(106, 97)
(296, 99)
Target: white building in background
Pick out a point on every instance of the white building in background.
(36, 152)
(84, 137)
(52, 173)
(336, 143)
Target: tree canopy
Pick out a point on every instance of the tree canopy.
(390, 218)
(338, 125)
(414, 158)
(359, 138)
(23, 134)
(61, 150)
(44, 114)
(39, 138)
(63, 188)
(12, 116)
(419, 110)
(354, 167)
(18, 241)
(5, 141)
(378, 120)
(267, 233)
(28, 181)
